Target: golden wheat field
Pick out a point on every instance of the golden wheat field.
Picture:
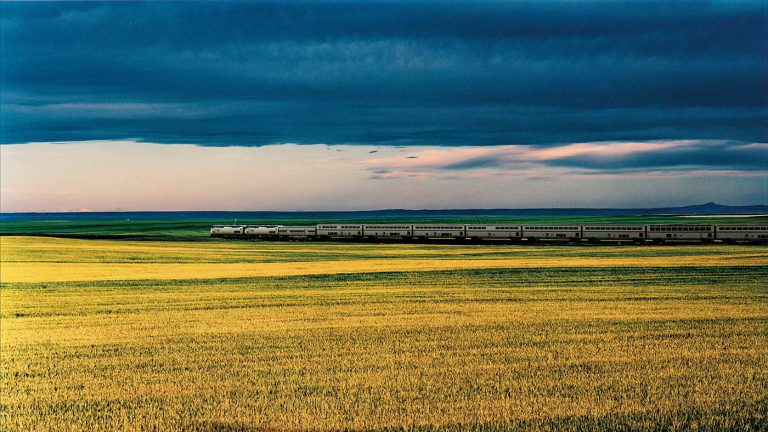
(243, 336)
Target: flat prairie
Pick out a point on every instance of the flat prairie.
(103, 335)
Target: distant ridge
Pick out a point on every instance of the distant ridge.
(709, 208)
(700, 209)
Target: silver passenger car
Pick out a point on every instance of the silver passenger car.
(343, 230)
(752, 233)
(556, 232)
(388, 231)
(302, 232)
(681, 232)
(493, 231)
(438, 231)
(613, 232)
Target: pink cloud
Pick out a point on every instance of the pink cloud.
(524, 156)
(605, 149)
(531, 161)
(751, 146)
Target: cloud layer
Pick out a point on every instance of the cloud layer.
(125, 175)
(641, 160)
(423, 73)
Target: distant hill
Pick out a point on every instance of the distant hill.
(709, 208)
(700, 209)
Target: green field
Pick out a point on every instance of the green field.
(247, 336)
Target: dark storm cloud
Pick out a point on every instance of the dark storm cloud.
(378, 73)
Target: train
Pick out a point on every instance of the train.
(638, 234)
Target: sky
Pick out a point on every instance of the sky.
(370, 105)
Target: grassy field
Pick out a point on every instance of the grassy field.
(241, 336)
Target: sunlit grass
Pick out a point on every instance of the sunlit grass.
(573, 340)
